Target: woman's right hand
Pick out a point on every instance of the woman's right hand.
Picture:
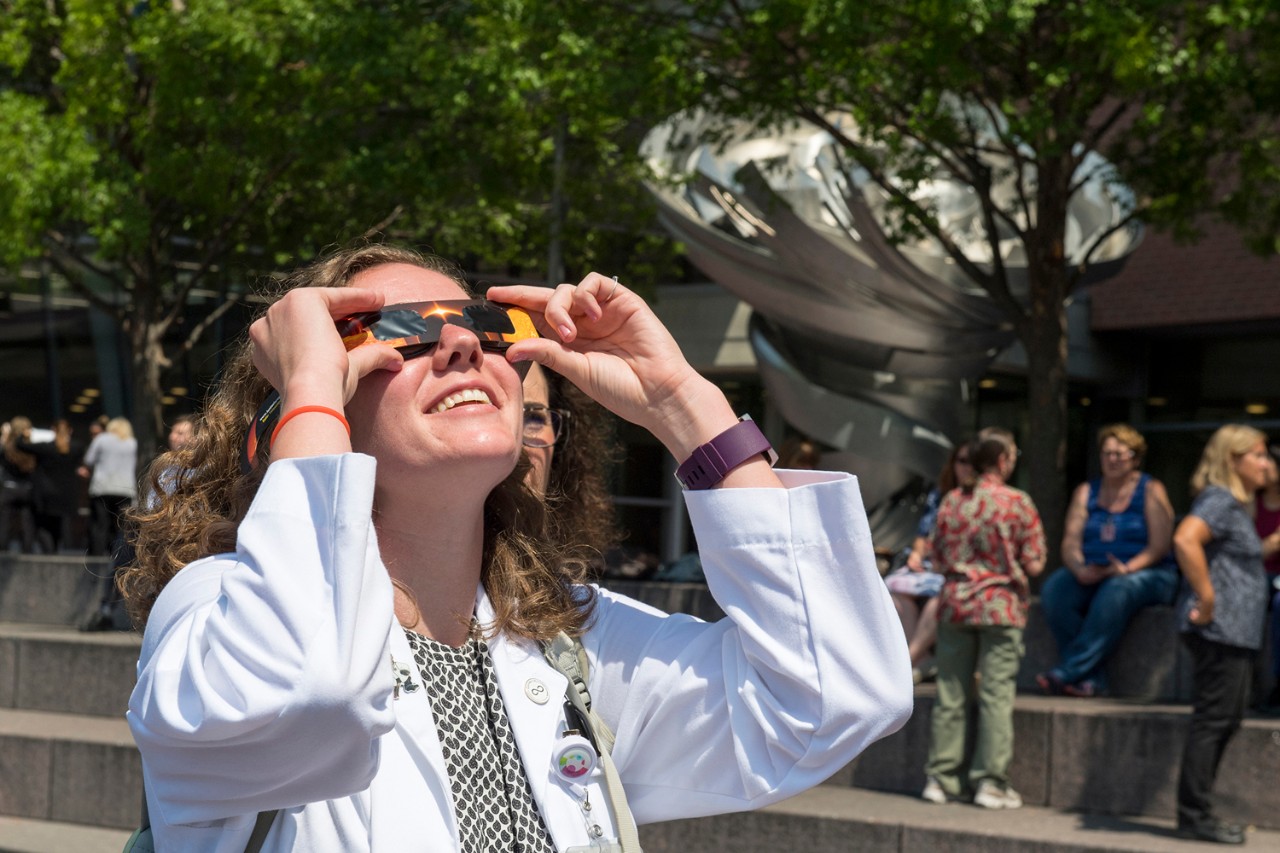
(1089, 574)
(297, 348)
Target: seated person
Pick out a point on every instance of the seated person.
(914, 586)
(1117, 552)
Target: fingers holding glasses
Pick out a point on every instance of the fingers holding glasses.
(295, 341)
(571, 310)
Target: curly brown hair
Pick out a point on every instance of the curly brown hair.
(534, 579)
(582, 510)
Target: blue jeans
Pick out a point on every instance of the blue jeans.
(1088, 621)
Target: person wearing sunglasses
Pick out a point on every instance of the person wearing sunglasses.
(914, 584)
(347, 629)
(1117, 546)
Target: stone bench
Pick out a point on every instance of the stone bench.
(1149, 665)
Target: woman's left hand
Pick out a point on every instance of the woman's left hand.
(1120, 567)
(1201, 610)
(606, 340)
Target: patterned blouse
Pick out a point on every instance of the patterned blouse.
(984, 538)
(491, 795)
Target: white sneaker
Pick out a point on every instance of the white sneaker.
(933, 792)
(991, 795)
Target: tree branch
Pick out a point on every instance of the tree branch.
(78, 285)
(216, 245)
(230, 301)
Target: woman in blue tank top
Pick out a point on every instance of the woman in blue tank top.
(1117, 550)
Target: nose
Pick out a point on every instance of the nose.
(458, 348)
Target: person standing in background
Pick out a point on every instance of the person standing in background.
(17, 490)
(988, 542)
(1222, 615)
(110, 613)
(57, 490)
(111, 465)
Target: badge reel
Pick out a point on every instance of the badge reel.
(574, 758)
(573, 762)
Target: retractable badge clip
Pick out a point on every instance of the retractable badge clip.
(574, 758)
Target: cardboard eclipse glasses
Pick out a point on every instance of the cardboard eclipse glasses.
(413, 328)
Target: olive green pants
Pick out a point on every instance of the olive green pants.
(972, 737)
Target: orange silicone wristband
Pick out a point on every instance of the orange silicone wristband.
(324, 410)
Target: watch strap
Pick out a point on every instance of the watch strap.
(711, 462)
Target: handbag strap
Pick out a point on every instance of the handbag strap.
(257, 838)
(260, 829)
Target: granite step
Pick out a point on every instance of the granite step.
(22, 835)
(56, 668)
(831, 819)
(55, 589)
(69, 768)
(1102, 756)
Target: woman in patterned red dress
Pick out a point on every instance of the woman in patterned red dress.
(988, 542)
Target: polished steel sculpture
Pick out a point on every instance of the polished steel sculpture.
(867, 345)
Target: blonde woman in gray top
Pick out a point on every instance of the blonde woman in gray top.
(1222, 614)
(111, 464)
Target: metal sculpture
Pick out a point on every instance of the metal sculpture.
(865, 344)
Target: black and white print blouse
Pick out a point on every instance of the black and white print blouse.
(491, 796)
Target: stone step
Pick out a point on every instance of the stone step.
(1097, 755)
(21, 835)
(69, 768)
(837, 820)
(55, 589)
(55, 668)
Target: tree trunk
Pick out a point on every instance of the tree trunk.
(147, 361)
(1044, 336)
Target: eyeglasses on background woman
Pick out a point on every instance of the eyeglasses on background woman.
(543, 426)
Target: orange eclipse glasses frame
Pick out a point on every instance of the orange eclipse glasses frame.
(413, 328)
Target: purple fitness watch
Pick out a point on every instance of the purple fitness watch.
(710, 462)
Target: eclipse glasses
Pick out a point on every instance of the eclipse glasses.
(413, 328)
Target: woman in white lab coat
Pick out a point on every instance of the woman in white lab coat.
(345, 628)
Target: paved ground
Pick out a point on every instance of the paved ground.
(1028, 824)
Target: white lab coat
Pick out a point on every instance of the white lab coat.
(266, 681)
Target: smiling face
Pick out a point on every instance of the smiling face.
(457, 410)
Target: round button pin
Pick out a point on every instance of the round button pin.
(536, 691)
